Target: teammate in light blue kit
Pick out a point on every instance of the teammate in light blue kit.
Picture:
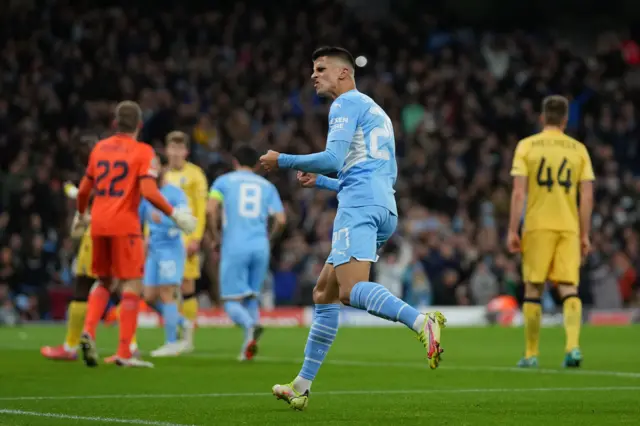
(247, 202)
(164, 267)
(361, 149)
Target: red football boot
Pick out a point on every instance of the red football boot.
(58, 353)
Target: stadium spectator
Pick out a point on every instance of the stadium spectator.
(8, 314)
(459, 99)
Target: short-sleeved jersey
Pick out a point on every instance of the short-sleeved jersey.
(247, 200)
(163, 233)
(192, 180)
(369, 172)
(116, 165)
(554, 165)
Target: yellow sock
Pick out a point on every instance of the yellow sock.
(532, 311)
(190, 307)
(572, 310)
(75, 322)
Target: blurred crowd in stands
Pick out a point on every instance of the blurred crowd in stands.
(460, 99)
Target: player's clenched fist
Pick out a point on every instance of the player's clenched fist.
(269, 161)
(307, 180)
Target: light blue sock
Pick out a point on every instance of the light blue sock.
(238, 314)
(252, 305)
(379, 301)
(171, 318)
(159, 306)
(321, 336)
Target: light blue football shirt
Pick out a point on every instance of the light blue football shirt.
(165, 233)
(361, 148)
(247, 202)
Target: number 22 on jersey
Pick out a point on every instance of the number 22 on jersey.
(110, 174)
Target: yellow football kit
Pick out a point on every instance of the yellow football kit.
(192, 180)
(554, 165)
(84, 257)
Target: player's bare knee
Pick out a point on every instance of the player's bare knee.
(567, 289)
(188, 286)
(317, 295)
(533, 290)
(150, 295)
(321, 289)
(350, 274)
(132, 286)
(107, 283)
(324, 297)
(345, 296)
(326, 288)
(167, 293)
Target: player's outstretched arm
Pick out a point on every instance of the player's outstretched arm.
(183, 218)
(324, 182)
(343, 121)
(328, 161)
(149, 190)
(314, 180)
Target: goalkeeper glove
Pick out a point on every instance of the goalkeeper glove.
(80, 224)
(184, 219)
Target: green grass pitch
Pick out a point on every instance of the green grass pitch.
(373, 376)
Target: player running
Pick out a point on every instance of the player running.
(361, 148)
(247, 200)
(120, 171)
(191, 179)
(548, 170)
(164, 266)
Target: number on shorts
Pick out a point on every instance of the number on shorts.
(341, 236)
(167, 269)
(250, 200)
(107, 167)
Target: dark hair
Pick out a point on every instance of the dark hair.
(334, 51)
(178, 137)
(246, 155)
(555, 109)
(128, 117)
